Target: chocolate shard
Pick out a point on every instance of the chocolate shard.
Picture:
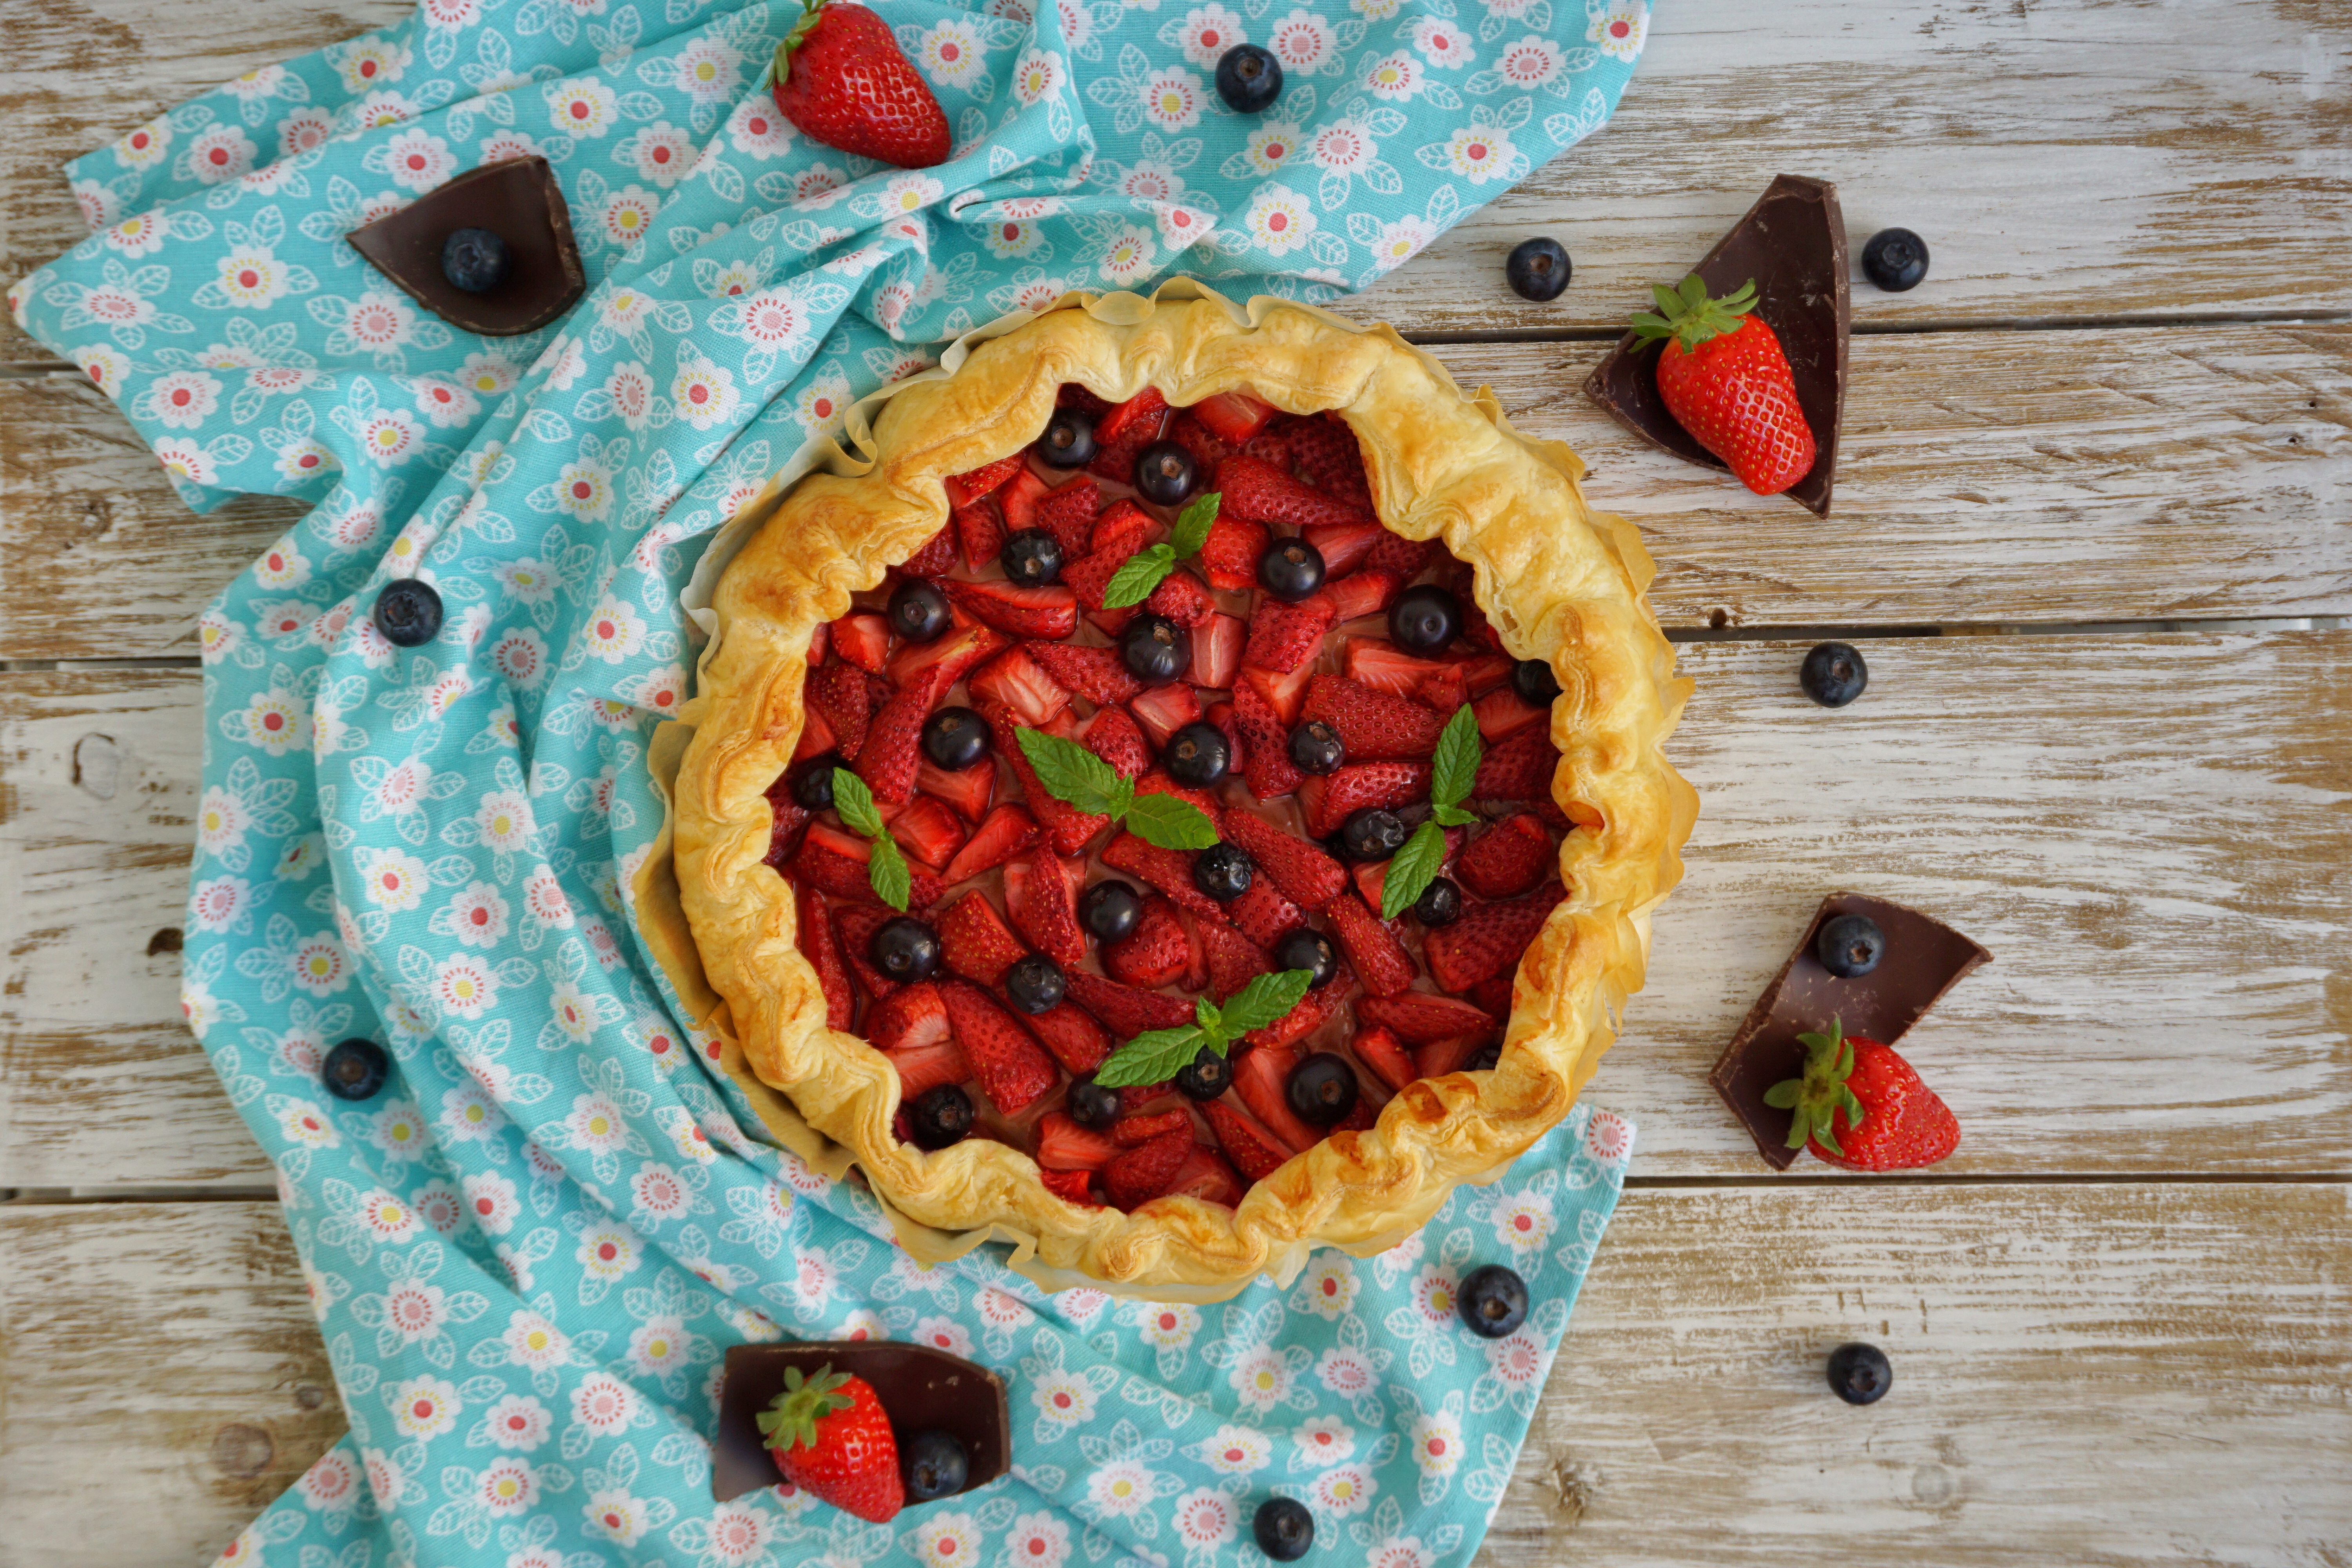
(1792, 243)
(516, 199)
(920, 1389)
(1924, 958)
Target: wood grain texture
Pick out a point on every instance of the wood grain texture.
(2140, 828)
(2190, 471)
(2117, 1374)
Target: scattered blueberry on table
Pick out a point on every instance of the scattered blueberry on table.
(1491, 1301)
(1249, 79)
(1538, 270)
(1833, 674)
(354, 1069)
(408, 612)
(1896, 259)
(1284, 1529)
(1860, 1375)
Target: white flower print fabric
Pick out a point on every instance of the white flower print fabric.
(529, 1251)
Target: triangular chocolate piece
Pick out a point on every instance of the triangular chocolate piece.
(1792, 243)
(516, 199)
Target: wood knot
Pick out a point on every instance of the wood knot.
(242, 1451)
(1577, 1486)
(97, 767)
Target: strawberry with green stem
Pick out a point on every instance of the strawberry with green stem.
(1147, 569)
(1725, 379)
(831, 1437)
(1156, 1055)
(1452, 771)
(885, 869)
(1861, 1106)
(842, 80)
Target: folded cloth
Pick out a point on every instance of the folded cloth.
(529, 1250)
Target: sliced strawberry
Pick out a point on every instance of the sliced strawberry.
(1164, 709)
(1362, 594)
(1372, 878)
(823, 950)
(1306, 873)
(935, 559)
(948, 657)
(1343, 545)
(1416, 1018)
(1263, 915)
(1375, 726)
(1502, 715)
(1017, 682)
(1221, 714)
(964, 488)
(1233, 417)
(1380, 1051)
(980, 531)
(1125, 1011)
(1262, 1081)
(1157, 781)
(912, 1017)
(1208, 450)
(1096, 674)
(825, 867)
(1405, 557)
(927, 829)
(1442, 691)
(1265, 745)
(1019, 500)
(787, 818)
(1233, 960)
(1317, 1008)
(1378, 959)
(1170, 871)
(1134, 1131)
(1482, 672)
(1365, 1113)
(1492, 995)
(928, 1067)
(975, 942)
(1477, 631)
(1140, 1099)
(1156, 952)
(1206, 1175)
(856, 925)
(1074, 394)
(1229, 554)
(1066, 826)
(816, 736)
(1506, 859)
(1521, 768)
(820, 644)
(1050, 612)
(1271, 447)
(1285, 637)
(1183, 598)
(1139, 409)
(1068, 514)
(1487, 940)
(1071, 1188)
(1005, 833)
(838, 692)
(1286, 694)
(1064, 1145)
(1330, 800)
(1114, 737)
(1256, 490)
(1384, 666)
(863, 638)
(1121, 531)
(1439, 1057)
(1326, 450)
(967, 789)
(1114, 460)
(1074, 1040)
(893, 752)
(1038, 900)
(1139, 1175)
(1009, 1065)
(1217, 652)
(1251, 1148)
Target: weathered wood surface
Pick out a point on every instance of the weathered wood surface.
(2186, 472)
(2128, 1373)
(2144, 830)
(2064, 159)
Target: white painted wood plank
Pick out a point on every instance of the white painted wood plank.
(2148, 832)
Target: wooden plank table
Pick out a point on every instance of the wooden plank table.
(2095, 520)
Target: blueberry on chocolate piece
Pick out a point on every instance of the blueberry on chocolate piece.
(1492, 1300)
(1833, 674)
(354, 1069)
(408, 612)
(1860, 1375)
(474, 260)
(1896, 259)
(933, 1465)
(1850, 945)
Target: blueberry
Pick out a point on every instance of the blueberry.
(1538, 270)
(1424, 620)
(1532, 678)
(1896, 259)
(941, 1116)
(1205, 1077)
(1485, 1058)
(933, 1465)
(1091, 1105)
(1069, 439)
(1493, 1301)
(408, 612)
(1372, 833)
(1860, 1375)
(1833, 674)
(1157, 650)
(955, 738)
(354, 1069)
(812, 784)
(1316, 748)
(1440, 903)
(1031, 558)
(1849, 945)
(1309, 949)
(1284, 1529)
(474, 260)
(1249, 79)
(917, 611)
(1223, 871)
(1036, 984)
(1290, 570)
(1165, 473)
(1198, 754)
(1109, 910)
(1322, 1090)
(905, 949)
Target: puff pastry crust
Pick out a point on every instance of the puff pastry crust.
(1556, 580)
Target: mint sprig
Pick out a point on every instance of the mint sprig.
(1452, 774)
(1146, 568)
(1158, 1055)
(1078, 777)
(885, 869)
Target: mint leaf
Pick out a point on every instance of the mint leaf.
(1132, 583)
(1192, 525)
(855, 801)
(1169, 823)
(1459, 752)
(1153, 1057)
(887, 874)
(1452, 817)
(1072, 773)
(1212, 1019)
(1262, 1001)
(1413, 869)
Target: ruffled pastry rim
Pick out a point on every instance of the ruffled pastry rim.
(1555, 579)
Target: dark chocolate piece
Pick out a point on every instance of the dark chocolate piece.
(1792, 243)
(920, 1388)
(517, 199)
(1925, 958)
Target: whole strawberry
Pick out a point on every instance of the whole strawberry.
(829, 1438)
(1860, 1105)
(1726, 381)
(843, 80)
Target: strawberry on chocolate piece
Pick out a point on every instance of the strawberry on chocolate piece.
(1114, 737)
(975, 942)
(1073, 1038)
(1037, 896)
(1170, 871)
(1521, 768)
(964, 488)
(1064, 1145)
(1285, 637)
(1722, 377)
(1068, 828)
(912, 1017)
(1264, 916)
(1005, 833)
(1096, 674)
(1125, 1011)
(1048, 612)
(1861, 1107)
(1507, 859)
(1007, 1062)
(1233, 960)
(1249, 1147)
(1015, 680)
(893, 754)
(1380, 1051)
(1416, 1018)
(980, 531)
(828, 1433)
(1139, 1175)
(821, 948)
(1265, 745)
(1156, 952)
(1229, 554)
(1257, 491)
(862, 637)
(1375, 725)
(1068, 514)
(1329, 801)
(1308, 876)
(1378, 959)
